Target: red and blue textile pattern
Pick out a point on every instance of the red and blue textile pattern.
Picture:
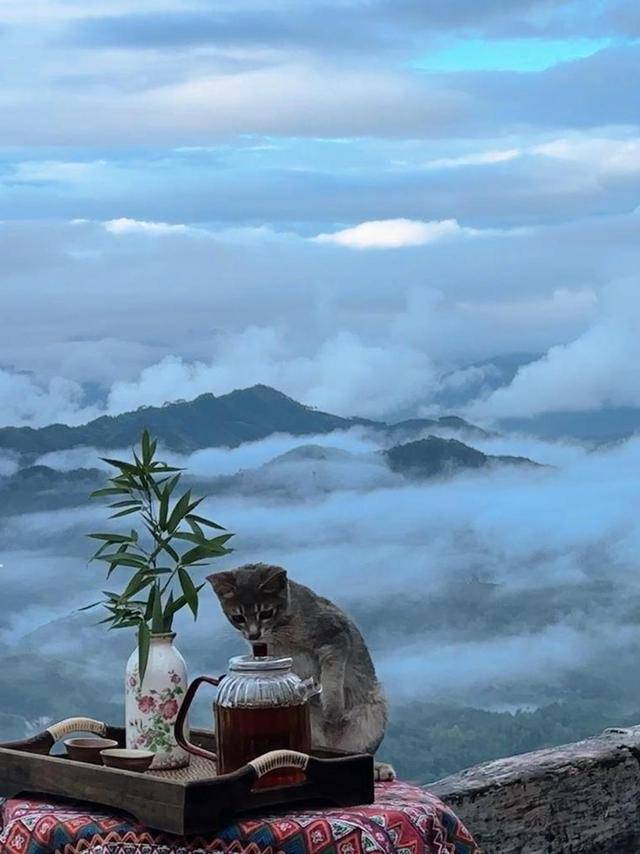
(404, 820)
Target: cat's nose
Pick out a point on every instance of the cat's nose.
(253, 633)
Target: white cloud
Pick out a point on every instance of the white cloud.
(26, 402)
(344, 375)
(393, 233)
(124, 225)
(601, 154)
(62, 171)
(9, 463)
(564, 304)
(38, 12)
(599, 368)
(481, 158)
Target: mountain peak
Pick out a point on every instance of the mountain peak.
(243, 415)
(435, 456)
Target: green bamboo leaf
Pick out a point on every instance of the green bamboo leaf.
(146, 447)
(179, 511)
(125, 481)
(108, 490)
(194, 555)
(120, 464)
(113, 538)
(203, 552)
(195, 527)
(97, 553)
(173, 481)
(206, 522)
(118, 559)
(189, 590)
(193, 506)
(167, 617)
(144, 638)
(221, 540)
(155, 486)
(124, 512)
(89, 607)
(181, 601)
(129, 502)
(171, 551)
(191, 538)
(164, 508)
(137, 583)
(157, 623)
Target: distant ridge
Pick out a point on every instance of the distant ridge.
(229, 420)
(244, 415)
(295, 474)
(435, 456)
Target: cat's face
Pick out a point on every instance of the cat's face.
(253, 598)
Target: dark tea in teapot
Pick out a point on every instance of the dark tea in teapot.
(262, 705)
(248, 733)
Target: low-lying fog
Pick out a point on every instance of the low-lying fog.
(504, 589)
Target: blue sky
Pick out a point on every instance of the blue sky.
(239, 192)
(519, 54)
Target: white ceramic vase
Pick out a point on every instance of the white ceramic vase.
(152, 707)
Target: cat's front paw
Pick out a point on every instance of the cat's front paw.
(383, 772)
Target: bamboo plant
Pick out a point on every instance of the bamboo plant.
(160, 553)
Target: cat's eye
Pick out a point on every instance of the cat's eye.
(238, 618)
(266, 614)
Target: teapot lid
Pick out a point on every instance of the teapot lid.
(261, 681)
(260, 664)
(260, 661)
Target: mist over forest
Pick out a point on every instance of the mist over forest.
(500, 602)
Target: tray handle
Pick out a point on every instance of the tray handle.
(279, 759)
(69, 725)
(341, 779)
(42, 742)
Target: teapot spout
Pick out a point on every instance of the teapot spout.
(310, 687)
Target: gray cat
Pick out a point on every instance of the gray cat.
(262, 603)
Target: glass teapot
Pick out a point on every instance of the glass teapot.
(262, 705)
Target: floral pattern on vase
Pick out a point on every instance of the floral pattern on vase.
(152, 707)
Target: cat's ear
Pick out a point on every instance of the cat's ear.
(273, 581)
(223, 583)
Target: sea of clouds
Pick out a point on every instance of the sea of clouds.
(494, 589)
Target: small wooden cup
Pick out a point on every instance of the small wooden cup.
(88, 749)
(127, 760)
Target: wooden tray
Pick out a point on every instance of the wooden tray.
(187, 801)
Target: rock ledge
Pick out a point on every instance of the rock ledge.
(581, 798)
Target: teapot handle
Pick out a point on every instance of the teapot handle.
(179, 727)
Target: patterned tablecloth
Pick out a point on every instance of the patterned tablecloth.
(404, 819)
